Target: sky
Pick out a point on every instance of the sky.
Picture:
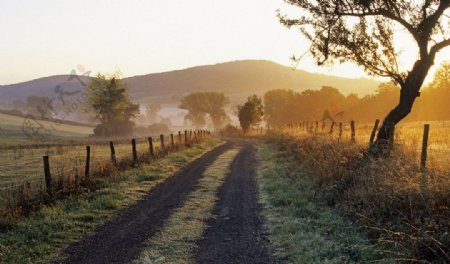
(49, 37)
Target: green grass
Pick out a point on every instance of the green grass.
(176, 241)
(304, 229)
(41, 237)
(11, 130)
(19, 165)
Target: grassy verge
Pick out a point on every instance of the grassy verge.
(176, 241)
(303, 228)
(41, 237)
(401, 211)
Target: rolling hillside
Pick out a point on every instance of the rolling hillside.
(236, 79)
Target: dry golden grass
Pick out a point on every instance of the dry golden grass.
(390, 197)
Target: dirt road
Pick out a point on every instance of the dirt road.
(236, 235)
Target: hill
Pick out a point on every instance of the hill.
(235, 79)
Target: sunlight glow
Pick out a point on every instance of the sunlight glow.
(49, 37)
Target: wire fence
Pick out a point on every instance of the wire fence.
(409, 135)
(51, 171)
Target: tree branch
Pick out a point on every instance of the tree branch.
(436, 48)
(384, 13)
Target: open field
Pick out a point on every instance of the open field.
(16, 130)
(22, 169)
(408, 135)
(25, 164)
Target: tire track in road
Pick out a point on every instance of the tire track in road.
(236, 234)
(121, 239)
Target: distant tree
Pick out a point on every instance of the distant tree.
(251, 113)
(363, 32)
(442, 76)
(201, 105)
(433, 104)
(278, 107)
(109, 99)
(286, 106)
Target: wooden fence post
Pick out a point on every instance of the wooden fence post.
(87, 169)
(353, 129)
(161, 139)
(423, 165)
(133, 146)
(179, 138)
(190, 136)
(48, 175)
(340, 130)
(316, 129)
(323, 126)
(150, 146)
(332, 128)
(113, 153)
(374, 131)
(423, 159)
(185, 137)
(392, 137)
(172, 143)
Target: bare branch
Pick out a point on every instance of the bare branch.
(384, 13)
(436, 48)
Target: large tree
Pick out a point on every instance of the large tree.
(201, 105)
(109, 99)
(362, 32)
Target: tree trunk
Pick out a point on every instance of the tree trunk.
(408, 93)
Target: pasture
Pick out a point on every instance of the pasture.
(15, 130)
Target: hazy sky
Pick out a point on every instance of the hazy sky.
(48, 37)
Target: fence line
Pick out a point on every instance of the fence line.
(59, 179)
(300, 126)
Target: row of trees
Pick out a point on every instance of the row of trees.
(204, 106)
(286, 106)
(114, 110)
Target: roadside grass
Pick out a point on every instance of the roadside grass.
(42, 237)
(176, 241)
(402, 210)
(302, 227)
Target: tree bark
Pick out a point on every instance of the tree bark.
(408, 93)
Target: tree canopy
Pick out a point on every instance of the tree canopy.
(286, 106)
(362, 32)
(203, 105)
(107, 96)
(251, 113)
